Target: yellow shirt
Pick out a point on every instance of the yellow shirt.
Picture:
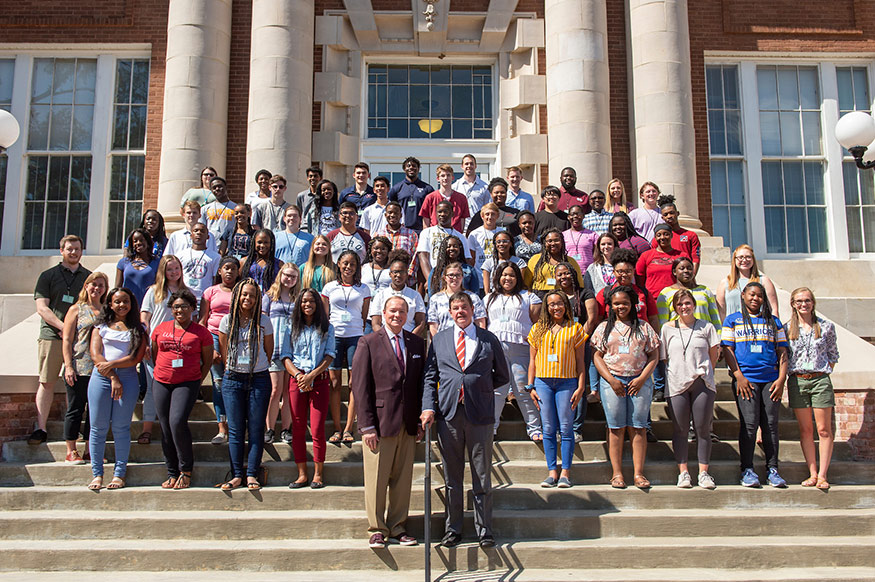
(556, 351)
(545, 278)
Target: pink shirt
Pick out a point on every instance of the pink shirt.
(220, 306)
(579, 244)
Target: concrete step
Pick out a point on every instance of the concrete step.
(558, 524)
(350, 473)
(21, 452)
(349, 554)
(76, 500)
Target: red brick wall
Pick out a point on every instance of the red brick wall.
(18, 413)
(855, 422)
(238, 100)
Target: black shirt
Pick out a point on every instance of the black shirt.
(545, 220)
(61, 287)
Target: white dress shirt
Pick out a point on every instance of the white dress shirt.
(470, 341)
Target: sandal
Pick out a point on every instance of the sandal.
(96, 483)
(230, 486)
(617, 482)
(822, 484)
(116, 483)
(145, 438)
(183, 481)
(810, 482)
(537, 437)
(170, 483)
(641, 482)
(348, 439)
(253, 485)
(335, 438)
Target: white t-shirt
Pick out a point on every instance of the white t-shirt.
(345, 306)
(348, 242)
(253, 199)
(685, 366)
(373, 218)
(159, 312)
(415, 304)
(431, 238)
(480, 241)
(439, 309)
(240, 347)
(199, 268)
(509, 316)
(375, 279)
(181, 239)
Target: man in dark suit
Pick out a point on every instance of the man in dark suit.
(386, 379)
(468, 363)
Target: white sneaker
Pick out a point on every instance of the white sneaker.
(685, 481)
(706, 481)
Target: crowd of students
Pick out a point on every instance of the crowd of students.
(272, 297)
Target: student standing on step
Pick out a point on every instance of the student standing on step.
(410, 193)
(431, 238)
(306, 353)
(445, 192)
(813, 355)
(686, 241)
(373, 218)
(626, 350)
(617, 191)
(323, 216)
(550, 216)
(375, 273)
(647, 216)
(278, 303)
(153, 223)
(628, 238)
(360, 193)
(136, 269)
(269, 214)
(116, 348)
(56, 291)
(755, 349)
(511, 312)
(319, 269)
(451, 251)
(398, 262)
(181, 239)
(387, 382)
(439, 317)
(78, 324)
(348, 237)
(240, 242)
(469, 364)
(526, 245)
(579, 240)
(262, 264)
(543, 265)
(690, 347)
(219, 214)
(502, 252)
(598, 219)
(183, 353)
(557, 380)
(245, 344)
(262, 193)
(199, 264)
(293, 245)
(743, 270)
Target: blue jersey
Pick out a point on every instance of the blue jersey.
(756, 345)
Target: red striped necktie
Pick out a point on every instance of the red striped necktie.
(460, 354)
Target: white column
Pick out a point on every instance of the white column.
(195, 124)
(578, 89)
(279, 132)
(665, 144)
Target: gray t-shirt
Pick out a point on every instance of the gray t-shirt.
(239, 346)
(684, 366)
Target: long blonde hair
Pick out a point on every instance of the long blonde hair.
(83, 293)
(735, 274)
(328, 274)
(160, 287)
(795, 319)
(277, 288)
(623, 203)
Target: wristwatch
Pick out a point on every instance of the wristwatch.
(529, 387)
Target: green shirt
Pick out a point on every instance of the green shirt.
(706, 306)
(61, 287)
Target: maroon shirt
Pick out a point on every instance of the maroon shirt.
(569, 198)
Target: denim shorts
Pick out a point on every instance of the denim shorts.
(345, 349)
(626, 411)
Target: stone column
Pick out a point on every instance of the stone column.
(279, 133)
(665, 147)
(195, 124)
(578, 89)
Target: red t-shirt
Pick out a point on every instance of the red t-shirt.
(654, 267)
(646, 304)
(685, 241)
(176, 343)
(460, 208)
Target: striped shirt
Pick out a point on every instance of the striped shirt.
(556, 357)
(756, 346)
(706, 306)
(545, 277)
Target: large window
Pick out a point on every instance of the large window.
(430, 101)
(7, 70)
(859, 185)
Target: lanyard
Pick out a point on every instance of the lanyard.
(178, 343)
(376, 279)
(274, 216)
(69, 283)
(681, 333)
(193, 266)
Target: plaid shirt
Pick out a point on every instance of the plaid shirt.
(598, 221)
(405, 239)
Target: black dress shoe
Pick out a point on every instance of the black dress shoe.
(487, 541)
(297, 484)
(451, 540)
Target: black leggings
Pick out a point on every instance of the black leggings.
(77, 400)
(173, 403)
(696, 401)
(759, 411)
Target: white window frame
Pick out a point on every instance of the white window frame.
(826, 63)
(101, 141)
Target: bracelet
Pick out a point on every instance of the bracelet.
(529, 387)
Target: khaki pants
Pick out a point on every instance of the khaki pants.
(390, 466)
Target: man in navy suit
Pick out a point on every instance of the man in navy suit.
(469, 364)
(386, 379)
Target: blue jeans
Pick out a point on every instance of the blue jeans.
(659, 376)
(623, 411)
(345, 349)
(217, 371)
(104, 412)
(150, 414)
(555, 397)
(246, 402)
(580, 411)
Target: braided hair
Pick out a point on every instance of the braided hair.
(254, 334)
(545, 322)
(272, 264)
(578, 310)
(544, 257)
(444, 261)
(630, 228)
(765, 311)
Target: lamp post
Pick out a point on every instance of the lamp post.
(9, 130)
(856, 132)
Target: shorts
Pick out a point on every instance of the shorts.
(276, 365)
(813, 393)
(50, 354)
(623, 411)
(345, 349)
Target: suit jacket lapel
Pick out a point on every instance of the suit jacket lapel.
(386, 342)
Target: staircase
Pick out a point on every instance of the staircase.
(50, 525)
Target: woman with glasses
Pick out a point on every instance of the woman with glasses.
(743, 270)
(202, 194)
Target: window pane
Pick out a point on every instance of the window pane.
(869, 221)
(120, 127)
(720, 218)
(419, 75)
(735, 173)
(33, 226)
(117, 181)
(846, 89)
(59, 178)
(138, 127)
(733, 133)
(718, 183)
(59, 131)
(770, 130)
(714, 87)
(767, 87)
(56, 222)
(788, 89)
(855, 230)
(849, 177)
(440, 101)
(65, 74)
(811, 132)
(814, 183)
(123, 81)
(86, 78)
(462, 129)
(37, 172)
(398, 128)
(717, 133)
(775, 235)
(7, 71)
(440, 76)
(115, 234)
(817, 230)
(419, 101)
(136, 172)
(794, 189)
(809, 88)
(41, 83)
(82, 127)
(738, 220)
(80, 178)
(397, 106)
(796, 230)
(791, 134)
(867, 186)
(773, 183)
(38, 128)
(397, 74)
(861, 90)
(461, 75)
(462, 102)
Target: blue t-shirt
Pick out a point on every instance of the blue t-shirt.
(410, 196)
(138, 281)
(361, 201)
(756, 346)
(293, 248)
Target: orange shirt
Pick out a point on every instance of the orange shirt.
(556, 351)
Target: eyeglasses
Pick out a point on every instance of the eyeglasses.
(180, 307)
(744, 258)
(278, 186)
(453, 275)
(348, 213)
(596, 197)
(208, 175)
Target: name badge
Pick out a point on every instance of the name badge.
(67, 299)
(243, 360)
(411, 203)
(192, 282)
(177, 363)
(552, 357)
(756, 349)
(551, 281)
(305, 365)
(345, 317)
(623, 349)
